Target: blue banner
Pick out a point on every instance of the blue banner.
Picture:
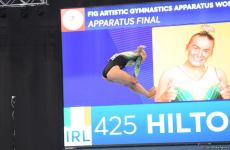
(156, 14)
(161, 123)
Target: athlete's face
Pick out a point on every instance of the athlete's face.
(199, 50)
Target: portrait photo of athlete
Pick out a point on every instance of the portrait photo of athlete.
(194, 80)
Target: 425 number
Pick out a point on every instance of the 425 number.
(117, 125)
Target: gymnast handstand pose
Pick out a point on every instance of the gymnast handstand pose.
(113, 70)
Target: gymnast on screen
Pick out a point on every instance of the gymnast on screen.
(194, 80)
(113, 70)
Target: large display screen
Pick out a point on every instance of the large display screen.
(150, 73)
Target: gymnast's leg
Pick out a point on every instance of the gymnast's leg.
(117, 75)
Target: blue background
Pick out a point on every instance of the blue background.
(85, 55)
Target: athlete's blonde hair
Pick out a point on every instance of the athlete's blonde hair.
(140, 50)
